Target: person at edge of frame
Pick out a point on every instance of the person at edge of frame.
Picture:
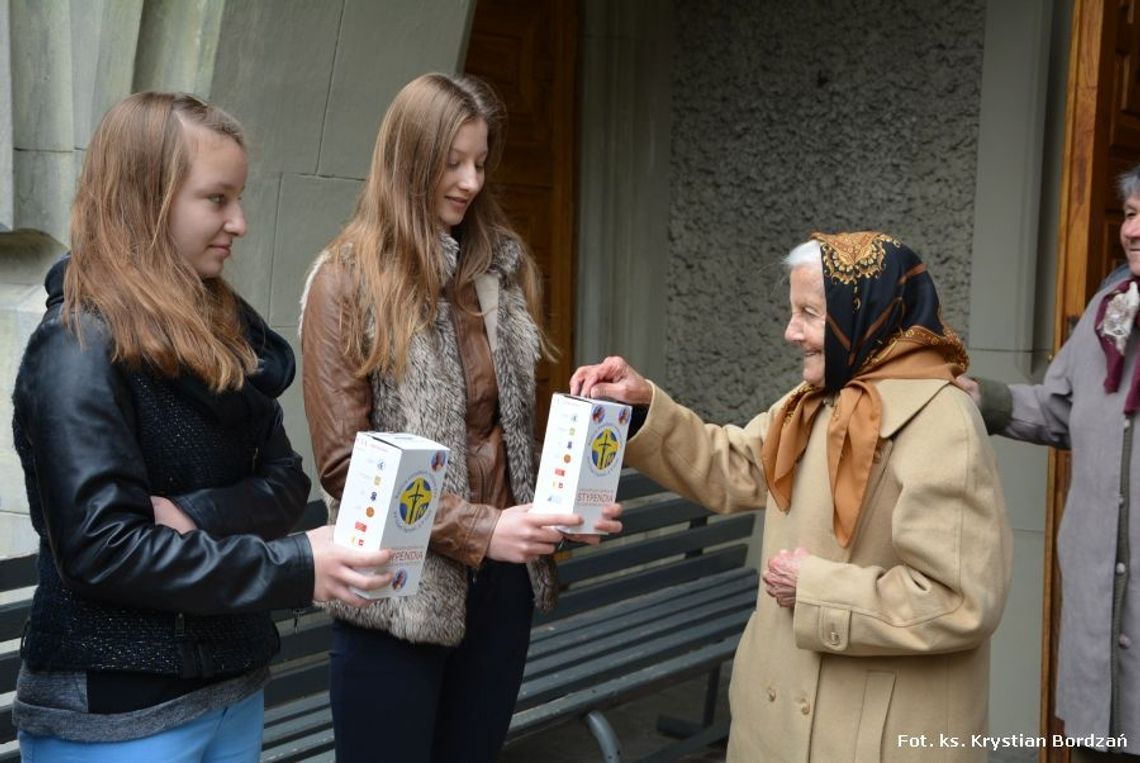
(1086, 404)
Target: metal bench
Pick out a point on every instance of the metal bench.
(661, 603)
(17, 579)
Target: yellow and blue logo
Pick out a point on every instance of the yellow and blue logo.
(604, 449)
(415, 499)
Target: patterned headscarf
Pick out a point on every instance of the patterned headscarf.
(883, 322)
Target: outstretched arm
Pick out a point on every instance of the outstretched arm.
(716, 466)
(1037, 413)
(612, 379)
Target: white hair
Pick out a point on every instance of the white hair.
(1128, 184)
(807, 253)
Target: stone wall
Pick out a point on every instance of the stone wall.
(794, 117)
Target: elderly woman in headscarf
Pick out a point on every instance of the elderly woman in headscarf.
(1087, 404)
(886, 549)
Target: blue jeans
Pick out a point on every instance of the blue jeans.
(229, 735)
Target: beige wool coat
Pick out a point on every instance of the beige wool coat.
(886, 653)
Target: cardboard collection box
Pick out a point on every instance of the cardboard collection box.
(390, 496)
(581, 457)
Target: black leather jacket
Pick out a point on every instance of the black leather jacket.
(82, 438)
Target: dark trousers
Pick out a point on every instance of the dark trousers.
(410, 703)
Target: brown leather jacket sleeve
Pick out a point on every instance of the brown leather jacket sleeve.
(462, 530)
(337, 403)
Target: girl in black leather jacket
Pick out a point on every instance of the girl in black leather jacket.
(158, 472)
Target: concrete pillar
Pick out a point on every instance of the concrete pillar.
(37, 177)
(177, 45)
(22, 307)
(1012, 274)
(104, 35)
(6, 185)
(436, 30)
(42, 115)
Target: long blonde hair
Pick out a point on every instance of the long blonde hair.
(392, 241)
(124, 265)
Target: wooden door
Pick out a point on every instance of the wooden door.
(527, 51)
(1102, 140)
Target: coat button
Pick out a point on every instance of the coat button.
(805, 707)
(833, 639)
(771, 694)
(1124, 641)
(1120, 568)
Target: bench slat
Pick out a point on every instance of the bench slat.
(292, 681)
(295, 709)
(13, 615)
(623, 622)
(17, 572)
(633, 484)
(316, 721)
(662, 512)
(619, 690)
(7, 728)
(9, 670)
(613, 559)
(315, 747)
(631, 658)
(662, 576)
(294, 730)
(559, 626)
(658, 514)
(681, 618)
(312, 638)
(626, 614)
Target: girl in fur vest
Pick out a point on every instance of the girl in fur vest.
(422, 316)
(159, 476)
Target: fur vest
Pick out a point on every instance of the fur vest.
(430, 401)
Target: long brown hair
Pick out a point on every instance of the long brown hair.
(392, 241)
(124, 266)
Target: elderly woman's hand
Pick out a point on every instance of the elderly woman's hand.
(782, 575)
(613, 379)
